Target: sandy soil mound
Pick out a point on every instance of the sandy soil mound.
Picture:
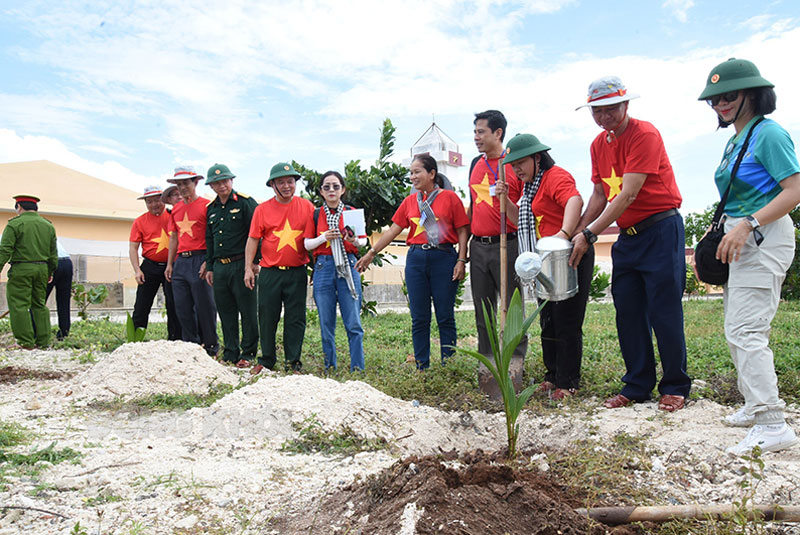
(264, 408)
(145, 368)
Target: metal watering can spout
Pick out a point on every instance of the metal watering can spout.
(529, 268)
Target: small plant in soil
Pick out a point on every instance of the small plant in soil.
(502, 350)
(343, 441)
(133, 333)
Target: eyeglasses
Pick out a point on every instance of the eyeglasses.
(334, 187)
(730, 96)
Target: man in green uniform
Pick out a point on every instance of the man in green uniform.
(29, 244)
(228, 223)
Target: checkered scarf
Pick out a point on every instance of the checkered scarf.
(343, 269)
(526, 227)
(427, 218)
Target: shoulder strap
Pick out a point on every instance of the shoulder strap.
(742, 151)
(316, 218)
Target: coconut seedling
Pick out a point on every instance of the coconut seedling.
(503, 344)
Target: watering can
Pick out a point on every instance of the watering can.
(549, 269)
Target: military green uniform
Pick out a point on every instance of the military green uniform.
(227, 228)
(29, 244)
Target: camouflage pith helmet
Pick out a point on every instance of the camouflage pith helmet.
(281, 169)
(733, 75)
(218, 172)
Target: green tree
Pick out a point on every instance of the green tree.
(379, 190)
(791, 286)
(697, 223)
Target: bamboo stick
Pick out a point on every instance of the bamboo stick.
(613, 516)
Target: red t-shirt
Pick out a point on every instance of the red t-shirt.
(189, 221)
(639, 149)
(556, 188)
(151, 232)
(486, 207)
(280, 227)
(322, 226)
(447, 208)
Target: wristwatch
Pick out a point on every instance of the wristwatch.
(754, 224)
(590, 236)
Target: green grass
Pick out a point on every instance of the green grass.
(387, 344)
(32, 463)
(343, 441)
(12, 434)
(168, 402)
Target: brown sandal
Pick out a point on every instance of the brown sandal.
(545, 387)
(671, 403)
(243, 363)
(560, 394)
(616, 402)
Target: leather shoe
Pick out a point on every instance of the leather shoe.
(243, 364)
(616, 402)
(560, 394)
(255, 370)
(545, 387)
(671, 403)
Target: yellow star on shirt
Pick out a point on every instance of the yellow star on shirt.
(185, 226)
(614, 184)
(288, 236)
(162, 241)
(420, 229)
(482, 191)
(538, 222)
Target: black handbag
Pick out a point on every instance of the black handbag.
(709, 269)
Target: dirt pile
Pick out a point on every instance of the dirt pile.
(407, 427)
(472, 494)
(146, 368)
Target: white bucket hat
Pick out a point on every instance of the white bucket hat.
(607, 91)
(183, 172)
(150, 191)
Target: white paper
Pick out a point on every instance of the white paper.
(355, 220)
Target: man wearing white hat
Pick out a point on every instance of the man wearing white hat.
(150, 231)
(194, 299)
(634, 185)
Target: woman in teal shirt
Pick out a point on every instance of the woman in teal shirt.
(758, 243)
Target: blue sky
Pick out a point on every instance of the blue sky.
(125, 91)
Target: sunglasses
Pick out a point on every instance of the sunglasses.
(334, 187)
(730, 96)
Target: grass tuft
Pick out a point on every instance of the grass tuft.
(343, 441)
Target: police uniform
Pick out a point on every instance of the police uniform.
(29, 244)
(227, 227)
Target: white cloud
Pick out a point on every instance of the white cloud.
(679, 8)
(16, 148)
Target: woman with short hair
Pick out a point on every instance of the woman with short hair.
(551, 206)
(758, 243)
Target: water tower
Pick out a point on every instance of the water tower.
(445, 151)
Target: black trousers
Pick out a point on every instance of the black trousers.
(562, 330)
(62, 282)
(146, 293)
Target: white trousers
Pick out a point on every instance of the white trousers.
(751, 298)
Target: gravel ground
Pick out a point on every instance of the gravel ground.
(220, 469)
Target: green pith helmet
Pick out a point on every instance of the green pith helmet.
(523, 145)
(218, 172)
(281, 169)
(733, 75)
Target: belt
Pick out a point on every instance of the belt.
(494, 239)
(230, 259)
(285, 268)
(187, 254)
(429, 247)
(154, 262)
(648, 222)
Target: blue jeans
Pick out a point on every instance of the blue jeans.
(429, 275)
(329, 290)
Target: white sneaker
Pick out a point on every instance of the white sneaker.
(739, 419)
(766, 440)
